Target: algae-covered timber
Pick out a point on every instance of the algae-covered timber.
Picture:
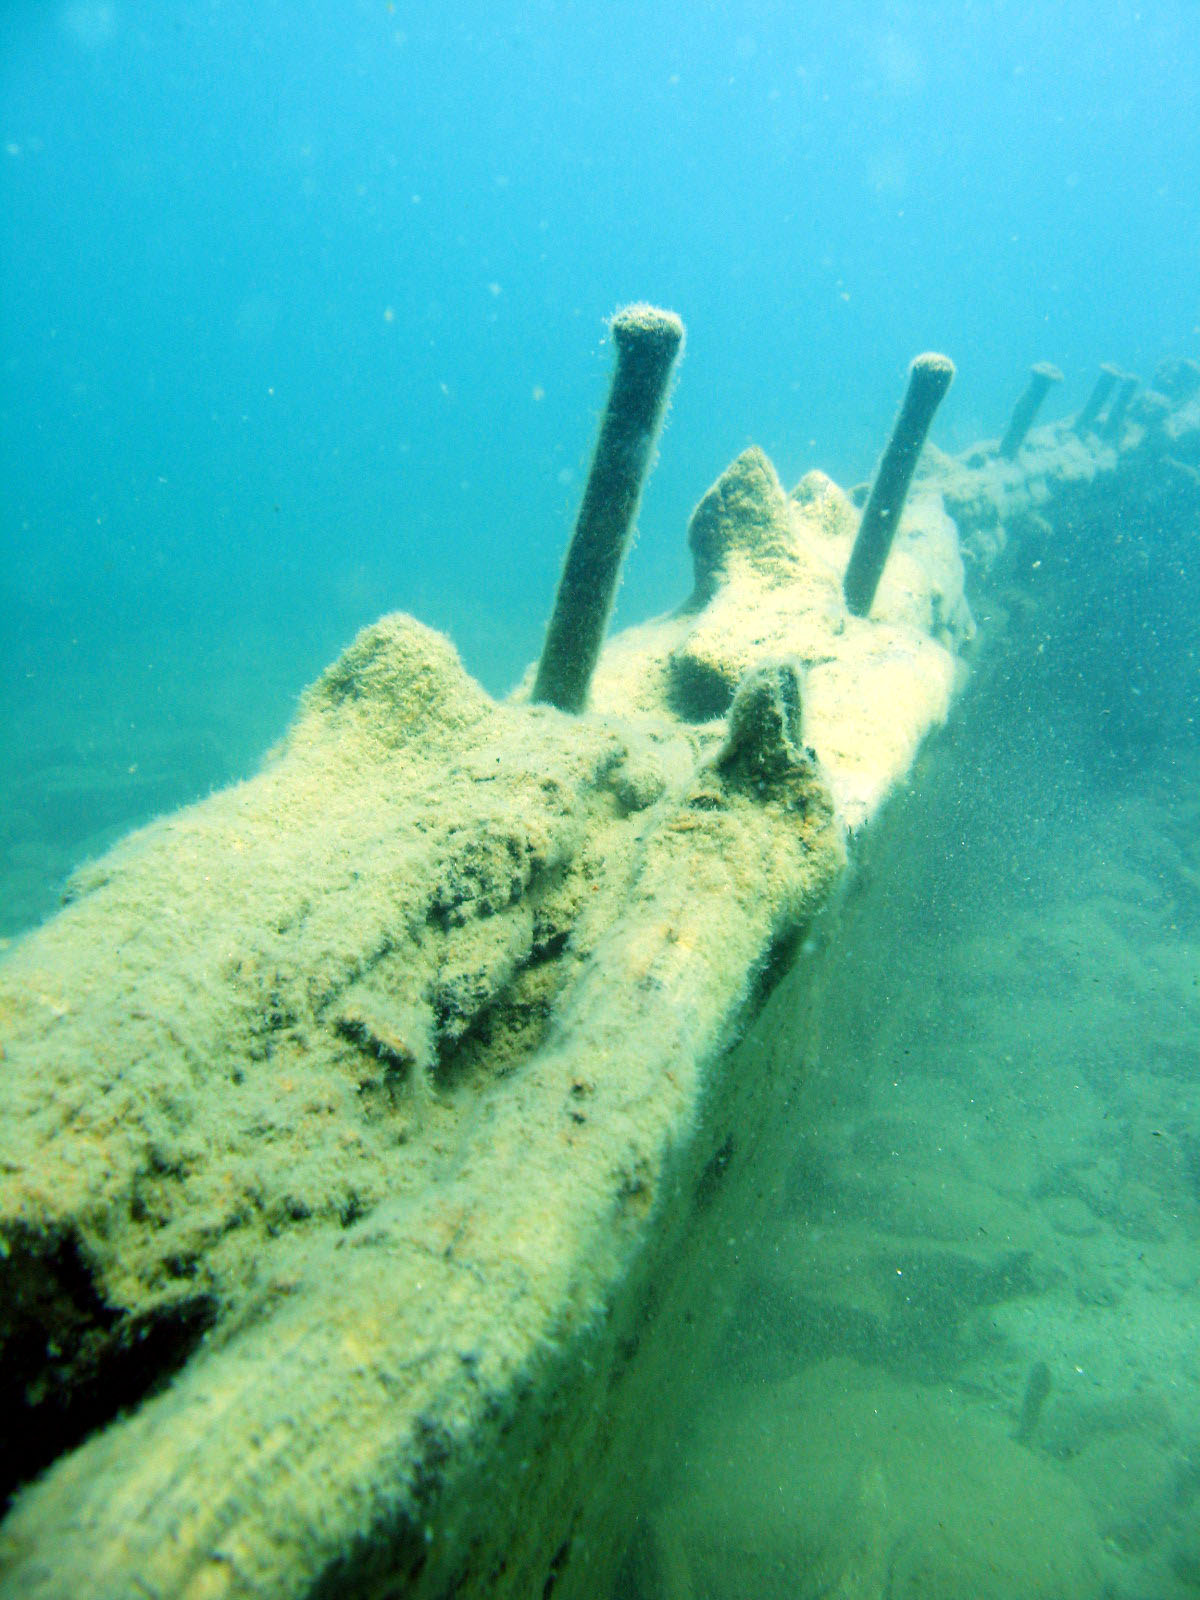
(358, 1119)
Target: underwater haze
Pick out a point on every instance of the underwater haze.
(304, 319)
(304, 305)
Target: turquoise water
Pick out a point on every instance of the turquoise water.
(303, 306)
(302, 317)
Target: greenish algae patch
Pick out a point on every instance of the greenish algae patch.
(372, 1070)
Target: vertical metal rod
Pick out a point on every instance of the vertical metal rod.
(929, 377)
(1041, 377)
(647, 341)
(1104, 385)
(1111, 431)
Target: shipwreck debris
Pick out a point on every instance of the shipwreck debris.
(1042, 377)
(929, 377)
(648, 341)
